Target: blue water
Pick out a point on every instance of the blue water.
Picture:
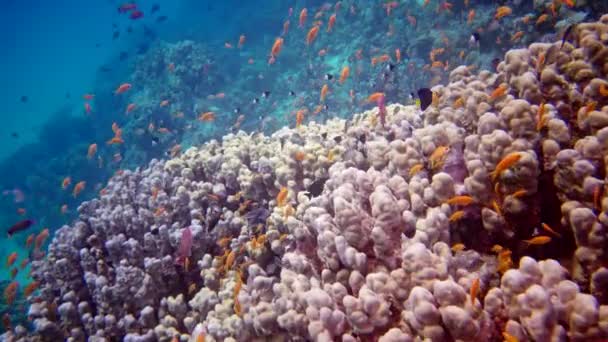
(54, 52)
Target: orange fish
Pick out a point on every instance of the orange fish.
(130, 108)
(344, 74)
(88, 96)
(10, 292)
(14, 272)
(502, 11)
(499, 92)
(241, 41)
(122, 88)
(92, 150)
(66, 182)
(171, 67)
(398, 55)
(285, 27)
(21, 211)
(164, 103)
(538, 240)
(78, 188)
(282, 197)
(312, 35)
(41, 238)
(508, 161)
(373, 98)
(456, 216)
(10, 260)
(324, 91)
(550, 230)
(276, 47)
(87, 108)
(570, 3)
(542, 19)
(474, 290)
(517, 36)
(603, 90)
(30, 288)
(331, 23)
(29, 240)
(24, 263)
(207, 116)
(227, 45)
(300, 116)
(64, 209)
(303, 16)
(460, 200)
(471, 16)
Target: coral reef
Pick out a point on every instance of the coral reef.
(357, 230)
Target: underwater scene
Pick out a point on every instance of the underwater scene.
(357, 170)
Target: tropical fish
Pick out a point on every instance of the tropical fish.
(241, 41)
(538, 240)
(91, 151)
(456, 216)
(426, 98)
(303, 16)
(312, 35)
(136, 15)
(474, 290)
(508, 161)
(460, 200)
(130, 108)
(78, 188)
(324, 91)
(502, 11)
(10, 260)
(19, 226)
(282, 197)
(331, 23)
(122, 88)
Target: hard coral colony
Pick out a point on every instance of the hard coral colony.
(468, 222)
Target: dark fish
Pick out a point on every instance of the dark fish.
(390, 67)
(567, 34)
(316, 188)
(495, 63)
(256, 100)
(325, 107)
(475, 37)
(154, 8)
(97, 45)
(148, 32)
(329, 77)
(105, 68)
(237, 110)
(115, 35)
(14, 135)
(161, 18)
(155, 140)
(24, 98)
(324, 135)
(363, 138)
(292, 93)
(266, 93)
(19, 226)
(136, 15)
(390, 136)
(130, 29)
(123, 56)
(68, 95)
(338, 139)
(426, 97)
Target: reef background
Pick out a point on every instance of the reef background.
(54, 131)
